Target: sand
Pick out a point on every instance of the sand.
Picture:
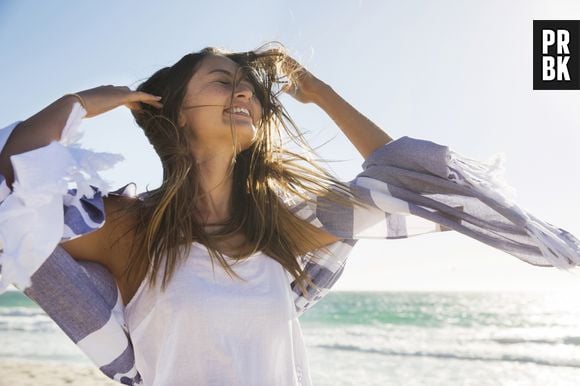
(28, 373)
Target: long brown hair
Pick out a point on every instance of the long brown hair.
(263, 176)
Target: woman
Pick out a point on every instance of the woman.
(279, 226)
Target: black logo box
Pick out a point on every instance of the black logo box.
(573, 28)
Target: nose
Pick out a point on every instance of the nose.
(244, 90)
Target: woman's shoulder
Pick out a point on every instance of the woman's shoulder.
(121, 209)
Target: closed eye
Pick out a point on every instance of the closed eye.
(230, 82)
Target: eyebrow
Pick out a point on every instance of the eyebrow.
(220, 70)
(223, 71)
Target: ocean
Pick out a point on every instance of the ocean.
(389, 338)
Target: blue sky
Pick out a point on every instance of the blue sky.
(454, 72)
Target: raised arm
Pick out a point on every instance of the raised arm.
(45, 184)
(37, 131)
(416, 186)
(361, 131)
(46, 126)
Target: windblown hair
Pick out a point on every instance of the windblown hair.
(264, 176)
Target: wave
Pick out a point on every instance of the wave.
(25, 319)
(571, 340)
(443, 355)
(35, 327)
(39, 327)
(20, 311)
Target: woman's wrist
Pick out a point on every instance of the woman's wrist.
(319, 92)
(76, 97)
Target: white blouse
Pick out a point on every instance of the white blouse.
(208, 328)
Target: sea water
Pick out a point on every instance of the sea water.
(390, 338)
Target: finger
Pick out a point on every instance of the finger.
(159, 105)
(140, 96)
(139, 105)
(275, 51)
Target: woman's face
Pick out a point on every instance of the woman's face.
(206, 107)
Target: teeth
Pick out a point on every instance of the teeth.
(240, 110)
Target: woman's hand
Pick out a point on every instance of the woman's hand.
(302, 85)
(101, 99)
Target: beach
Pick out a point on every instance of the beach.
(371, 339)
(42, 373)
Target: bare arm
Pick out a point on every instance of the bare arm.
(362, 133)
(37, 131)
(307, 88)
(46, 126)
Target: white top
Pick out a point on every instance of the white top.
(208, 328)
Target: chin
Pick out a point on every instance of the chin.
(245, 133)
(245, 136)
(244, 144)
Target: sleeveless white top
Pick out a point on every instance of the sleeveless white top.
(208, 328)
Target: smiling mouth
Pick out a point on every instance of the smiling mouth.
(238, 114)
(239, 109)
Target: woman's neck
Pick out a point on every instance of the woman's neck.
(215, 183)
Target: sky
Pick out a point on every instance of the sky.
(453, 72)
